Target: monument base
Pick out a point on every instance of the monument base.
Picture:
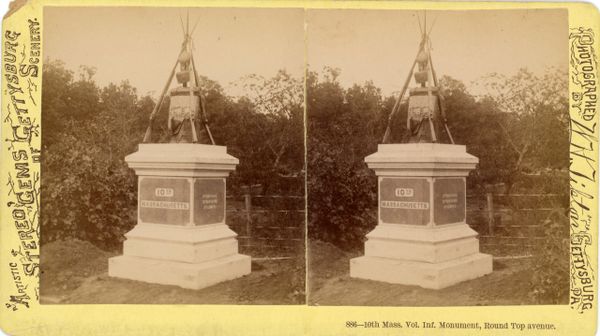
(186, 275)
(428, 257)
(422, 237)
(423, 274)
(189, 257)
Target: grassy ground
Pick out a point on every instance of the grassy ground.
(330, 284)
(76, 272)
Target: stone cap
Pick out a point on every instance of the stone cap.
(422, 234)
(181, 159)
(421, 159)
(181, 234)
(423, 90)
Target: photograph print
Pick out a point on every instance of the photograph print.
(173, 166)
(433, 148)
(437, 157)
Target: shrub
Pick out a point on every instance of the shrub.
(550, 275)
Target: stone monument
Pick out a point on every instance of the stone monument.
(422, 237)
(181, 237)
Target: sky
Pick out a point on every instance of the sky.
(381, 45)
(142, 44)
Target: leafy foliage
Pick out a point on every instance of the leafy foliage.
(274, 125)
(343, 127)
(550, 281)
(532, 113)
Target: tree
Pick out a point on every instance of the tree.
(471, 122)
(271, 115)
(88, 190)
(56, 81)
(342, 129)
(532, 115)
(281, 100)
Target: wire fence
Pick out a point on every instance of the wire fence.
(514, 224)
(268, 226)
(273, 226)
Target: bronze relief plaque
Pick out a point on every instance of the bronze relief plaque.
(164, 200)
(448, 200)
(404, 201)
(209, 201)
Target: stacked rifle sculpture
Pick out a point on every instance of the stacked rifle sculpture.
(425, 104)
(181, 112)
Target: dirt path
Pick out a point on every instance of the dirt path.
(76, 272)
(330, 284)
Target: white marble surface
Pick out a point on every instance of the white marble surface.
(181, 159)
(187, 256)
(421, 159)
(429, 256)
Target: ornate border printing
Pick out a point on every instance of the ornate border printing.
(21, 114)
(583, 166)
(21, 110)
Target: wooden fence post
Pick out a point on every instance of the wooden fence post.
(248, 203)
(490, 207)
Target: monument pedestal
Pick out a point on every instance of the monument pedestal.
(181, 237)
(422, 237)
